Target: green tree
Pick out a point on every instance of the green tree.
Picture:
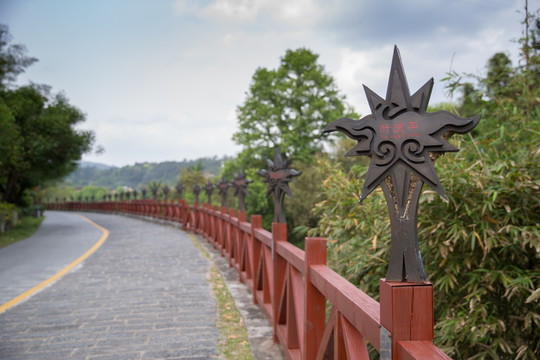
(39, 140)
(13, 59)
(155, 187)
(43, 142)
(287, 107)
(191, 176)
(92, 192)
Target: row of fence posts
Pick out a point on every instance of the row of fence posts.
(293, 287)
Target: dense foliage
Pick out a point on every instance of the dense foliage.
(287, 108)
(482, 249)
(39, 139)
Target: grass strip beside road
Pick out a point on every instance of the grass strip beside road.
(26, 227)
(234, 343)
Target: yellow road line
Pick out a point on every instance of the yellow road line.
(67, 269)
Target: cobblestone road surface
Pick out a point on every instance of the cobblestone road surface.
(142, 295)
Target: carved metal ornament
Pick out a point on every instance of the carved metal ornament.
(196, 190)
(240, 184)
(278, 176)
(223, 189)
(165, 190)
(209, 189)
(402, 140)
(179, 190)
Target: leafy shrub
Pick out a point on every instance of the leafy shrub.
(482, 249)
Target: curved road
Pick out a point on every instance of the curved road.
(142, 295)
(60, 240)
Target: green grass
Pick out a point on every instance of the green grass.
(26, 227)
(233, 343)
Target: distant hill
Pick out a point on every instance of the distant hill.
(85, 164)
(89, 173)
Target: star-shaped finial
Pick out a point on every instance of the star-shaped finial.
(165, 190)
(240, 184)
(402, 140)
(223, 188)
(278, 176)
(196, 190)
(209, 189)
(399, 135)
(179, 190)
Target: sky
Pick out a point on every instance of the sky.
(161, 80)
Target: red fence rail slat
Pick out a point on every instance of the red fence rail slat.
(293, 287)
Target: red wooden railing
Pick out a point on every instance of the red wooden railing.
(293, 287)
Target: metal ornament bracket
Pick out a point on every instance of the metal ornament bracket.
(223, 189)
(403, 141)
(209, 189)
(196, 190)
(278, 176)
(240, 184)
(179, 190)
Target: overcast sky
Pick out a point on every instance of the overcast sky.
(160, 80)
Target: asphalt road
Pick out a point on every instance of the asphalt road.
(60, 240)
(142, 295)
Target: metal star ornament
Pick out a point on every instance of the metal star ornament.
(240, 184)
(278, 176)
(223, 189)
(402, 140)
(209, 189)
(179, 190)
(196, 190)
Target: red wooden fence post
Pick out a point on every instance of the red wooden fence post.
(315, 302)
(238, 239)
(406, 312)
(230, 235)
(256, 223)
(279, 233)
(222, 233)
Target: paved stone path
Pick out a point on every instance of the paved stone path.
(142, 295)
(61, 239)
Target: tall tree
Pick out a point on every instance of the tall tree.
(288, 107)
(40, 139)
(38, 136)
(13, 59)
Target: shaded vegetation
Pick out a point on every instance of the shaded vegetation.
(25, 228)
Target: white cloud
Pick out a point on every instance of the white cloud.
(163, 80)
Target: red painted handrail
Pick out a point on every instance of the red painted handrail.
(293, 287)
